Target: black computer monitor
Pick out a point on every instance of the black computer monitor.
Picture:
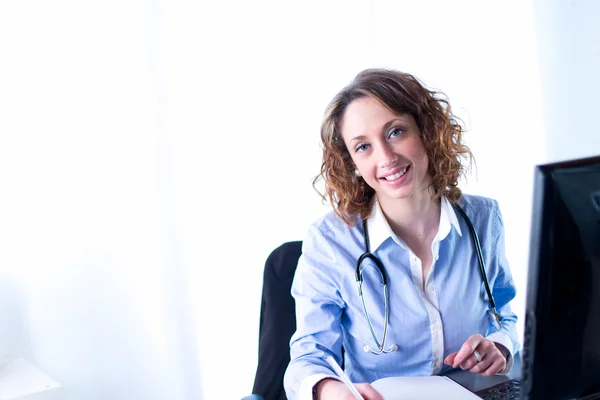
(561, 352)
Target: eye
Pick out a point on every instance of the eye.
(361, 147)
(395, 133)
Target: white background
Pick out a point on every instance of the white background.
(153, 153)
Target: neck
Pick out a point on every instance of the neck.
(414, 216)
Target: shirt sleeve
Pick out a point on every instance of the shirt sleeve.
(319, 306)
(503, 290)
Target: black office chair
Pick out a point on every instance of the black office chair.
(277, 321)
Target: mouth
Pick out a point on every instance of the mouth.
(396, 176)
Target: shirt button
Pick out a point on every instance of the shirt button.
(431, 288)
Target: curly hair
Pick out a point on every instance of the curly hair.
(402, 93)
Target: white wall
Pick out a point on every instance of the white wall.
(90, 276)
(153, 153)
(569, 49)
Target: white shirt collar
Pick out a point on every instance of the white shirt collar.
(380, 231)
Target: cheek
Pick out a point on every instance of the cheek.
(361, 163)
(424, 164)
(418, 153)
(424, 159)
(367, 171)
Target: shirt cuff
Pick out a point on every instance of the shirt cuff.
(504, 340)
(307, 385)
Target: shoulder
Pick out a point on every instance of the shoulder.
(479, 204)
(481, 210)
(332, 236)
(484, 213)
(330, 226)
(328, 246)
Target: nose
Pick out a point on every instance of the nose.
(387, 157)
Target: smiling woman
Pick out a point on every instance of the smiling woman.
(377, 153)
(399, 99)
(392, 158)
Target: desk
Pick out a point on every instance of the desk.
(476, 382)
(471, 381)
(21, 380)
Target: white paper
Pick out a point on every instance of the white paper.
(422, 388)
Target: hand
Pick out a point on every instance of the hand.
(333, 389)
(492, 359)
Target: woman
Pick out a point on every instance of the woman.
(392, 153)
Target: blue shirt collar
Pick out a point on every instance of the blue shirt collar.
(380, 231)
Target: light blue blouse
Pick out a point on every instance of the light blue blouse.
(427, 321)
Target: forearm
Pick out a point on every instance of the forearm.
(302, 375)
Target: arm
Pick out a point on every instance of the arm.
(505, 334)
(319, 307)
(497, 348)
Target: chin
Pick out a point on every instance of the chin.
(396, 195)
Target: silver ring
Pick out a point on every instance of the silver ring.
(477, 355)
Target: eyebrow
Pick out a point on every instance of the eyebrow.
(385, 127)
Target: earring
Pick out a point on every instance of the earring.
(357, 172)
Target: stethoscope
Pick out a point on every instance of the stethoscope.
(359, 279)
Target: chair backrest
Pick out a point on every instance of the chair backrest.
(277, 321)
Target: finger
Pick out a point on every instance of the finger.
(467, 349)
(450, 359)
(368, 392)
(471, 362)
(482, 365)
(496, 356)
(486, 346)
(498, 365)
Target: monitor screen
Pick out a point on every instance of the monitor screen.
(561, 353)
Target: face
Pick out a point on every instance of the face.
(386, 148)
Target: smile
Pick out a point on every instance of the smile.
(396, 176)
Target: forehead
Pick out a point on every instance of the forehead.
(367, 116)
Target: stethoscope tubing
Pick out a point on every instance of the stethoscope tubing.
(481, 261)
(368, 255)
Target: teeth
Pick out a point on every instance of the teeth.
(397, 175)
